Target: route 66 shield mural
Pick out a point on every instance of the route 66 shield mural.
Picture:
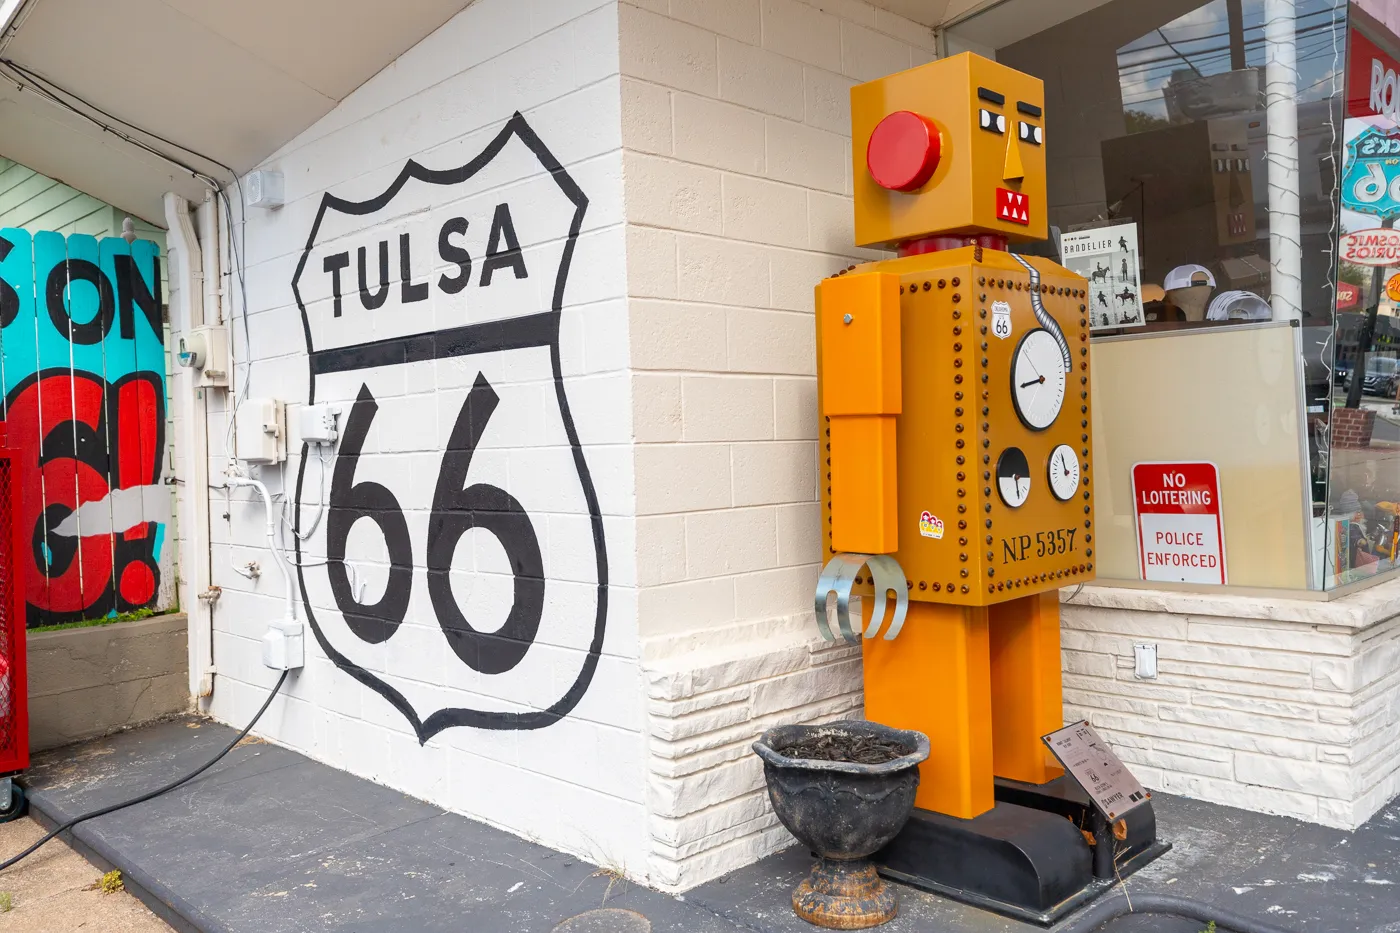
(431, 314)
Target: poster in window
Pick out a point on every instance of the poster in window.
(1108, 258)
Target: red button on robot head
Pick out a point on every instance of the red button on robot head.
(903, 151)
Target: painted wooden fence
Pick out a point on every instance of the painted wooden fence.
(82, 361)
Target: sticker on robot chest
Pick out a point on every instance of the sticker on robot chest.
(436, 577)
(1001, 319)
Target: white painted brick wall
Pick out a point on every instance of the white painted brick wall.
(580, 783)
(735, 127)
(1289, 706)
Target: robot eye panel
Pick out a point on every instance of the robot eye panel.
(1032, 133)
(993, 122)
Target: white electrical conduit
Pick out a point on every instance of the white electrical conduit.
(187, 312)
(272, 544)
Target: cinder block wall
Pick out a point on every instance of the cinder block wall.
(735, 121)
(575, 782)
(89, 682)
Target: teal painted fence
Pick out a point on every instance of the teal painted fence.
(82, 361)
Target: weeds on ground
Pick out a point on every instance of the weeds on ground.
(1210, 927)
(135, 615)
(614, 876)
(109, 883)
(7, 902)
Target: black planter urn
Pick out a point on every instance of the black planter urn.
(844, 812)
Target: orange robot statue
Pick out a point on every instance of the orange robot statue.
(954, 384)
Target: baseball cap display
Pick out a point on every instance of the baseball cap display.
(1239, 305)
(1188, 275)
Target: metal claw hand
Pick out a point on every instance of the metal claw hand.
(839, 575)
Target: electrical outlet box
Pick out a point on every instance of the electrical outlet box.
(259, 431)
(205, 350)
(317, 425)
(283, 645)
(1145, 662)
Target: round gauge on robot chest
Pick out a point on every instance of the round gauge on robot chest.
(1013, 477)
(1064, 473)
(1038, 379)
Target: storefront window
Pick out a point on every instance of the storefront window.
(1361, 523)
(1194, 162)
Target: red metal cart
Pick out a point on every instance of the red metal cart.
(14, 689)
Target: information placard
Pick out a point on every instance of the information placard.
(1181, 534)
(1108, 258)
(1090, 761)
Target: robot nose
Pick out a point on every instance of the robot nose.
(904, 151)
(1013, 170)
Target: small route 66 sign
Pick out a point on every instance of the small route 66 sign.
(1001, 319)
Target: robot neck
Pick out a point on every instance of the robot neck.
(935, 244)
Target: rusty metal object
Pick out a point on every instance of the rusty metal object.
(844, 894)
(605, 920)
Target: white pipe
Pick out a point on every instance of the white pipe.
(210, 253)
(1281, 152)
(271, 539)
(196, 559)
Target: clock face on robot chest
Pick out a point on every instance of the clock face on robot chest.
(1038, 378)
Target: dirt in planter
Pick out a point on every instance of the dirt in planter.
(844, 746)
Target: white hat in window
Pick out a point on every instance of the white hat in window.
(1187, 276)
(1239, 306)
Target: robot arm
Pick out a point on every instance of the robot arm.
(861, 397)
(858, 319)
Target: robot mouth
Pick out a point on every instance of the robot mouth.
(1013, 206)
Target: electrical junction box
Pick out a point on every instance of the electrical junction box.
(259, 431)
(263, 189)
(316, 424)
(205, 350)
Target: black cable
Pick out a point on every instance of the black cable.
(62, 97)
(158, 791)
(1113, 908)
(53, 89)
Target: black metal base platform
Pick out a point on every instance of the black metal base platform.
(1026, 858)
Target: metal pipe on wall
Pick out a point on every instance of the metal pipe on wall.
(1281, 154)
(187, 296)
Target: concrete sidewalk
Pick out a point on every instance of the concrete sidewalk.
(270, 841)
(56, 891)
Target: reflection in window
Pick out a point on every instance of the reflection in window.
(1360, 526)
(1194, 179)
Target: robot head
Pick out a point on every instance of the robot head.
(956, 146)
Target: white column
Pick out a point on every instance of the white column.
(1281, 153)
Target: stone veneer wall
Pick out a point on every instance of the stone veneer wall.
(709, 807)
(1284, 706)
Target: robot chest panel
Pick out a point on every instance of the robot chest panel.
(995, 491)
